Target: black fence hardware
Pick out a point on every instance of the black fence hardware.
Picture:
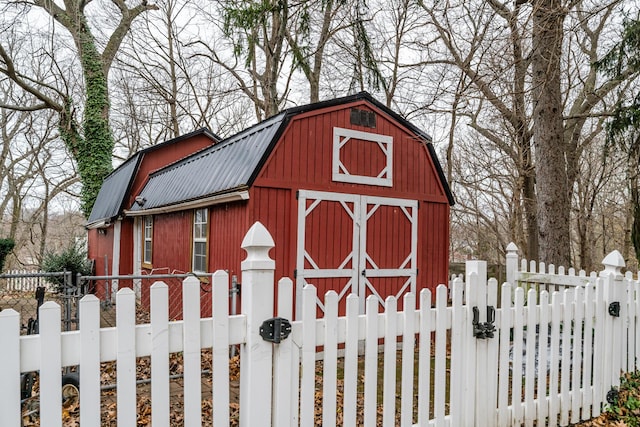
(614, 309)
(483, 330)
(275, 329)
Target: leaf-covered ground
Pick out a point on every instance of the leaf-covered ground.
(626, 411)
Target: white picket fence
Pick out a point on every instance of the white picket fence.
(539, 276)
(551, 360)
(24, 281)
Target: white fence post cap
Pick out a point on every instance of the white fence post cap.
(511, 247)
(257, 242)
(613, 264)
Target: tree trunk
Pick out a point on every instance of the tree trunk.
(96, 150)
(551, 174)
(531, 215)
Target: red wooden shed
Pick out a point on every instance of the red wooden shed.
(111, 234)
(352, 193)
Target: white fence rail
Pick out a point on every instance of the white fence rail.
(539, 358)
(24, 281)
(539, 276)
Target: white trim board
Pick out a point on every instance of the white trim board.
(340, 173)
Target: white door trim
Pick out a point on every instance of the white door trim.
(408, 268)
(303, 274)
(363, 208)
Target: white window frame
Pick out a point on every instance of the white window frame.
(199, 238)
(340, 173)
(147, 238)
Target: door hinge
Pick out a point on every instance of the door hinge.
(275, 329)
(297, 194)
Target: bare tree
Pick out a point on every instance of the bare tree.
(533, 94)
(312, 27)
(164, 88)
(251, 45)
(92, 143)
(34, 172)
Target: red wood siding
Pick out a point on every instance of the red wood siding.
(273, 208)
(303, 158)
(171, 253)
(433, 247)
(228, 224)
(100, 245)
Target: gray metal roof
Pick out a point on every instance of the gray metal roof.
(116, 186)
(228, 165)
(113, 191)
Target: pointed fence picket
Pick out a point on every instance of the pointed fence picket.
(555, 353)
(159, 354)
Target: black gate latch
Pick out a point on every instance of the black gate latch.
(486, 329)
(275, 329)
(614, 309)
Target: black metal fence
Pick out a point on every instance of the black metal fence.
(25, 292)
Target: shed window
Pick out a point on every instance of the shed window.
(200, 234)
(362, 157)
(147, 239)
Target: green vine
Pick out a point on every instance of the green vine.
(93, 149)
(625, 410)
(242, 19)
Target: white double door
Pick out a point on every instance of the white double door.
(352, 243)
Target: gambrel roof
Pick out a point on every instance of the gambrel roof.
(116, 187)
(233, 164)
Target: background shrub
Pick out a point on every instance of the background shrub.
(6, 246)
(73, 259)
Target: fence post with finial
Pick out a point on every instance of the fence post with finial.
(512, 263)
(257, 305)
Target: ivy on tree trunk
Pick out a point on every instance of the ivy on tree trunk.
(92, 149)
(92, 145)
